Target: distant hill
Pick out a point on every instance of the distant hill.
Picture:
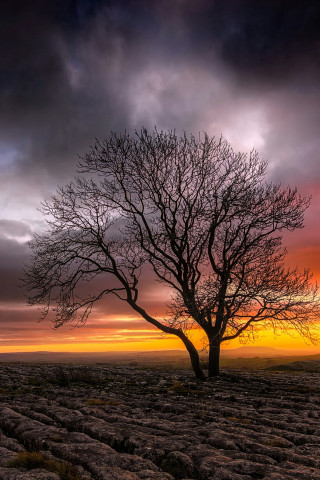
(253, 351)
(311, 366)
(154, 357)
(94, 357)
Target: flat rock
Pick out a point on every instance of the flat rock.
(126, 423)
(36, 474)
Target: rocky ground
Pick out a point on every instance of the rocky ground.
(128, 423)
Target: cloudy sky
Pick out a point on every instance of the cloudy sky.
(73, 70)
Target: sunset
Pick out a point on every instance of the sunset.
(74, 73)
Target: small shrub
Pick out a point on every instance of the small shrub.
(180, 389)
(59, 377)
(277, 442)
(64, 377)
(56, 438)
(31, 460)
(28, 460)
(178, 465)
(35, 381)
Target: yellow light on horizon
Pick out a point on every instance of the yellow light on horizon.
(266, 339)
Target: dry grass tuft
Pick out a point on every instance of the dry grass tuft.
(31, 460)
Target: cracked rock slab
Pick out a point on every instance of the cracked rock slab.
(126, 423)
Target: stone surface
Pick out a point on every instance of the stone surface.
(126, 423)
(36, 474)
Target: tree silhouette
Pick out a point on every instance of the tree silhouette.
(202, 217)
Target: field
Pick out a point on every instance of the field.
(120, 422)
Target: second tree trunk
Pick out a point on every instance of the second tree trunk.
(214, 359)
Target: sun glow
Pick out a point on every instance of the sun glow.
(126, 340)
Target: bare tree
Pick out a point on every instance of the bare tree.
(201, 216)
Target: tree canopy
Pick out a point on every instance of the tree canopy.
(201, 216)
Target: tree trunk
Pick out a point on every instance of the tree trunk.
(193, 352)
(214, 359)
(195, 359)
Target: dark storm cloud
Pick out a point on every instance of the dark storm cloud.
(69, 68)
(13, 228)
(262, 41)
(57, 85)
(13, 255)
(73, 70)
(292, 143)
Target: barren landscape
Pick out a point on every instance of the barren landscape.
(107, 422)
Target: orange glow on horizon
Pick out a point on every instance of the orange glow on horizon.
(266, 338)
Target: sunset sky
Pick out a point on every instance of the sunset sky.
(73, 70)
